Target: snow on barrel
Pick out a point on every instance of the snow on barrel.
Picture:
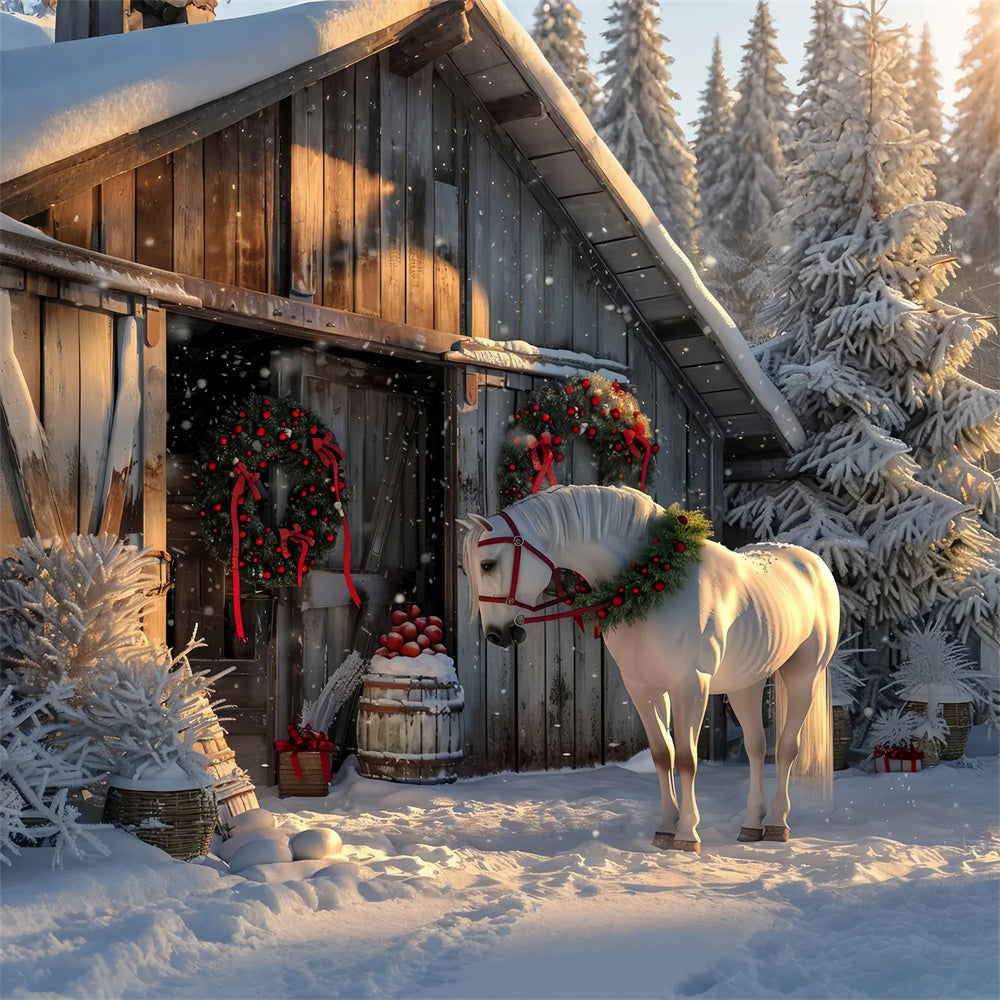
(409, 712)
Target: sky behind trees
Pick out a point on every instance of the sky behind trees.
(691, 26)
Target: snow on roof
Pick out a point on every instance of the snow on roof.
(19, 31)
(60, 100)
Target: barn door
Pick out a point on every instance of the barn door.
(380, 419)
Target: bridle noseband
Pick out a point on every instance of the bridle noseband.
(562, 597)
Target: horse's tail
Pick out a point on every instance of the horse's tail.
(813, 768)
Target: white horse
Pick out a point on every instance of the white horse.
(739, 618)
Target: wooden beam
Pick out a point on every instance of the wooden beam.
(515, 108)
(24, 196)
(433, 39)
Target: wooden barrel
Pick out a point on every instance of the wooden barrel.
(410, 728)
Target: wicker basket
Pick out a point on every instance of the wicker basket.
(958, 715)
(932, 751)
(313, 781)
(842, 733)
(178, 822)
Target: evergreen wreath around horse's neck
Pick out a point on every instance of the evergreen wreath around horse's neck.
(676, 538)
(263, 432)
(601, 414)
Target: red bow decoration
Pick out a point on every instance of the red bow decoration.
(297, 536)
(633, 438)
(306, 741)
(331, 456)
(541, 461)
(244, 478)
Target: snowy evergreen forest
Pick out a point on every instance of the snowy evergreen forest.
(852, 231)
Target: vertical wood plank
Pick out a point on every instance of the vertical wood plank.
(73, 219)
(61, 405)
(367, 189)
(96, 406)
(154, 213)
(154, 455)
(504, 251)
(306, 191)
(394, 200)
(118, 216)
(419, 199)
(447, 279)
(189, 210)
(25, 310)
(251, 236)
(221, 163)
(582, 334)
(478, 243)
(532, 270)
(338, 189)
(558, 289)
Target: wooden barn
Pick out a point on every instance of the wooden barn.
(395, 213)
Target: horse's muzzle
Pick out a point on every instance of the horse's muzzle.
(515, 633)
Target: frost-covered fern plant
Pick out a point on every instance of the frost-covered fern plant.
(894, 727)
(148, 710)
(935, 668)
(63, 609)
(41, 761)
(845, 673)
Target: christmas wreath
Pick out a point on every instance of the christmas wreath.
(591, 409)
(263, 432)
(676, 537)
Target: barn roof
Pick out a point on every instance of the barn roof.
(77, 112)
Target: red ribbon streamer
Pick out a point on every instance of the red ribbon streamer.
(296, 535)
(541, 461)
(330, 455)
(244, 478)
(637, 436)
(306, 741)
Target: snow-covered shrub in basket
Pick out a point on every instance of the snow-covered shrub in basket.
(149, 711)
(934, 668)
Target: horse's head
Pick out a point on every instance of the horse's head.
(506, 573)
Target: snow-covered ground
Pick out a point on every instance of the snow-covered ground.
(542, 885)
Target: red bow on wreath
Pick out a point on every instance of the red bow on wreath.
(634, 437)
(541, 461)
(244, 478)
(331, 456)
(296, 536)
(306, 741)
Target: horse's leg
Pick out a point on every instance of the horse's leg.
(689, 704)
(653, 707)
(747, 706)
(798, 674)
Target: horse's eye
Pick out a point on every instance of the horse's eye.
(487, 565)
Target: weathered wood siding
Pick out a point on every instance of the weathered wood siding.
(83, 357)
(396, 198)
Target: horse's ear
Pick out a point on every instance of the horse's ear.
(472, 521)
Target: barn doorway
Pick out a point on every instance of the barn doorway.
(388, 417)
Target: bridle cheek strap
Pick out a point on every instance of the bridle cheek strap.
(520, 543)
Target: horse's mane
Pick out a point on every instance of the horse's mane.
(562, 514)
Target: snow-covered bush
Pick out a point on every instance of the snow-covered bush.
(934, 668)
(42, 758)
(149, 710)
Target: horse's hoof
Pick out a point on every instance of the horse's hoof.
(776, 833)
(691, 846)
(663, 839)
(750, 834)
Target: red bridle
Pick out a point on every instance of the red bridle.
(520, 543)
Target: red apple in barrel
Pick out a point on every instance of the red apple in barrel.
(434, 633)
(394, 642)
(422, 641)
(409, 631)
(410, 649)
(398, 617)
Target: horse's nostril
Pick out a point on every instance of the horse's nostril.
(518, 634)
(495, 638)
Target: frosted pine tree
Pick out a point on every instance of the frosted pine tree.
(973, 179)
(750, 191)
(926, 110)
(639, 123)
(892, 486)
(821, 68)
(558, 34)
(711, 145)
